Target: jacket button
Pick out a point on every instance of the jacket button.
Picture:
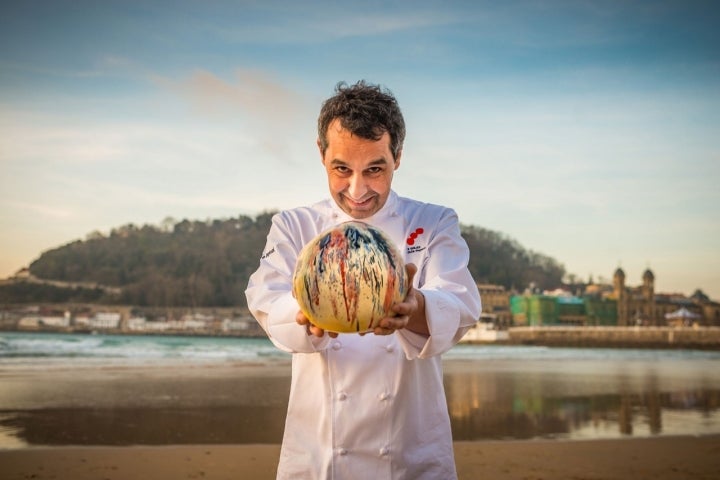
(342, 396)
(342, 452)
(390, 348)
(336, 345)
(384, 396)
(384, 451)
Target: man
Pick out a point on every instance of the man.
(368, 406)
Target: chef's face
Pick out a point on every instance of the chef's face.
(359, 170)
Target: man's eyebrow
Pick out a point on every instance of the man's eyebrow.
(379, 161)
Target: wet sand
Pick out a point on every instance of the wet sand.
(225, 422)
(681, 458)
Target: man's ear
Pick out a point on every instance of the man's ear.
(322, 157)
(397, 159)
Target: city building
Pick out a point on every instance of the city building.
(615, 305)
(495, 305)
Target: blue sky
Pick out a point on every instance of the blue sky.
(585, 130)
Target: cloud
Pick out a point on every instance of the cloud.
(265, 108)
(299, 23)
(49, 211)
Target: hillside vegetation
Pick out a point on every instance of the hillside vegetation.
(208, 263)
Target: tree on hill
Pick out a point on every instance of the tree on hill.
(497, 259)
(196, 263)
(208, 263)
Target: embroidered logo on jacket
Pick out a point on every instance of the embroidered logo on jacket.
(412, 239)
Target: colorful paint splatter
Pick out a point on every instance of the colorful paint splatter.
(347, 278)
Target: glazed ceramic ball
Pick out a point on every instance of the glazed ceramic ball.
(347, 278)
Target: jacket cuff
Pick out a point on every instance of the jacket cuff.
(286, 334)
(443, 322)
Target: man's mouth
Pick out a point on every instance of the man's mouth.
(358, 203)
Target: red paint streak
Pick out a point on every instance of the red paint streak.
(339, 249)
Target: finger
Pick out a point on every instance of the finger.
(317, 331)
(389, 326)
(395, 323)
(411, 269)
(301, 318)
(405, 308)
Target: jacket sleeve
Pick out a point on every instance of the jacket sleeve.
(452, 299)
(269, 292)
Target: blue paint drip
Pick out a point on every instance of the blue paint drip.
(324, 241)
(383, 246)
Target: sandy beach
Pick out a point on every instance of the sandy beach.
(516, 414)
(681, 458)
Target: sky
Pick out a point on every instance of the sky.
(588, 131)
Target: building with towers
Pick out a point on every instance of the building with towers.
(637, 305)
(618, 304)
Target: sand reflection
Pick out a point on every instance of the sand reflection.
(511, 401)
(244, 404)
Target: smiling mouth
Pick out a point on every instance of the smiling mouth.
(358, 204)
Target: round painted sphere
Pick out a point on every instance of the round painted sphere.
(347, 278)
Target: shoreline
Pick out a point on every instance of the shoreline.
(661, 458)
(705, 338)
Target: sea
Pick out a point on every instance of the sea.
(58, 350)
(70, 389)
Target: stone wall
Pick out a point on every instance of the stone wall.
(707, 338)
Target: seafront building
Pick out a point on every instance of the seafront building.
(594, 304)
(614, 305)
(89, 318)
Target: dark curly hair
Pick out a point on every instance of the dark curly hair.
(365, 110)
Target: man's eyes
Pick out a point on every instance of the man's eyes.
(347, 171)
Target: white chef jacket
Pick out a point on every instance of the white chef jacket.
(369, 407)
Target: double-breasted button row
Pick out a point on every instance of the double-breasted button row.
(383, 452)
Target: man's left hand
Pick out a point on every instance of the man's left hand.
(410, 312)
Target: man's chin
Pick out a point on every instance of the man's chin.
(360, 213)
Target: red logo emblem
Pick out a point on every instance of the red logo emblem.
(411, 239)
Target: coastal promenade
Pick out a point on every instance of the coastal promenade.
(705, 338)
(215, 322)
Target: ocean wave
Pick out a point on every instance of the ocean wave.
(29, 346)
(117, 349)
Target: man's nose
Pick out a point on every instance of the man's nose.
(357, 187)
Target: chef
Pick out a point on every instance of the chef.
(368, 406)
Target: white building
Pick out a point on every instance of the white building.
(105, 320)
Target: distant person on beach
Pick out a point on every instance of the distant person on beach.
(368, 406)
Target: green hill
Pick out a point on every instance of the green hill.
(208, 263)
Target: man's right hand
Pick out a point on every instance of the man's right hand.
(311, 329)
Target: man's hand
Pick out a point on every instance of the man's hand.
(311, 329)
(410, 312)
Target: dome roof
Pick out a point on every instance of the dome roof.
(619, 273)
(648, 275)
